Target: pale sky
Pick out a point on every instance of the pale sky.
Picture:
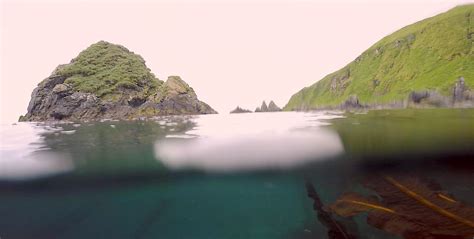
(231, 52)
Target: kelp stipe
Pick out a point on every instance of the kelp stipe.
(336, 228)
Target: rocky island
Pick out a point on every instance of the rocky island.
(272, 107)
(239, 110)
(427, 64)
(107, 81)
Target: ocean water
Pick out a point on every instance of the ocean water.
(221, 176)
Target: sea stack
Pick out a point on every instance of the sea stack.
(272, 107)
(239, 110)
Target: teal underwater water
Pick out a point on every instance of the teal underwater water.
(227, 176)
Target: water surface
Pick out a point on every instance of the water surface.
(219, 176)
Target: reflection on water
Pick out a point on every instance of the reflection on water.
(25, 155)
(381, 174)
(407, 133)
(250, 142)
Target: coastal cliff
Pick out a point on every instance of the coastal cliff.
(427, 64)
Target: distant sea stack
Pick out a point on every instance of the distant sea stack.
(429, 63)
(262, 108)
(239, 110)
(272, 107)
(107, 81)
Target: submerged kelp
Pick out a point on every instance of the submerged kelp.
(109, 179)
(336, 229)
(409, 207)
(398, 162)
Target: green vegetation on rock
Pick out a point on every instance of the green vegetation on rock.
(105, 69)
(107, 81)
(428, 55)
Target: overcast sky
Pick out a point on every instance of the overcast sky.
(231, 52)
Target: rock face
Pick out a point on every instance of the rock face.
(461, 92)
(461, 97)
(263, 108)
(428, 98)
(107, 81)
(351, 102)
(272, 107)
(175, 97)
(239, 110)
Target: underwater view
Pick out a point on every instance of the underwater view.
(377, 174)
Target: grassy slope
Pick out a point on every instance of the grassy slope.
(430, 54)
(104, 68)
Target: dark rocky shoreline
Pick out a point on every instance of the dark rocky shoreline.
(53, 101)
(461, 97)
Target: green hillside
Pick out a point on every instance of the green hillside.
(428, 55)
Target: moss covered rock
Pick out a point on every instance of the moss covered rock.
(109, 81)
